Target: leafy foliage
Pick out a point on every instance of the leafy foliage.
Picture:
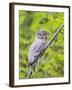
(52, 62)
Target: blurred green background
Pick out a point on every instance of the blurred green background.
(52, 62)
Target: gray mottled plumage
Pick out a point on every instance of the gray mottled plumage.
(36, 50)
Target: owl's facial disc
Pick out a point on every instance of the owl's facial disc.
(42, 35)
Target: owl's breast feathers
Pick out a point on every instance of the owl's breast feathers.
(35, 50)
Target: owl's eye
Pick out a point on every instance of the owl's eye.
(39, 34)
(44, 34)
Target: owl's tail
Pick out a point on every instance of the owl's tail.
(29, 72)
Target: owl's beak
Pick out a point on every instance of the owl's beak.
(45, 37)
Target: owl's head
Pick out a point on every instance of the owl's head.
(42, 34)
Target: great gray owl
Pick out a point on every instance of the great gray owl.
(36, 50)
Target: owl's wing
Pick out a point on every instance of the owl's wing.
(37, 48)
(34, 54)
(35, 51)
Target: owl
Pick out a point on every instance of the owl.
(36, 50)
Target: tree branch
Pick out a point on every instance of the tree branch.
(50, 41)
(47, 45)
